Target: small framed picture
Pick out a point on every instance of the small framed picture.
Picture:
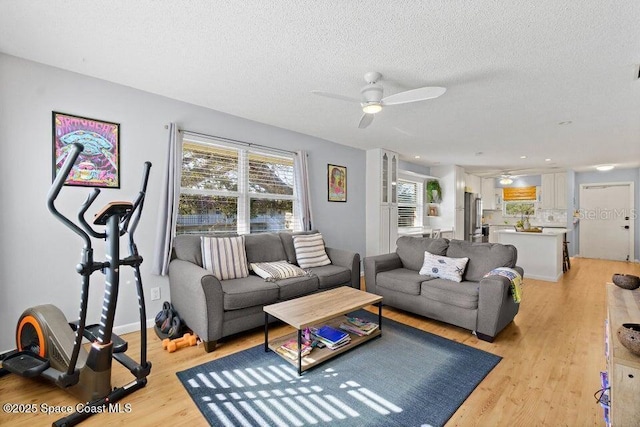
(337, 183)
(99, 163)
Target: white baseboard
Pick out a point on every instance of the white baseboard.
(132, 327)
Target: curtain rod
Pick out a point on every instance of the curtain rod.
(234, 141)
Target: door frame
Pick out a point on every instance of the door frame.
(632, 213)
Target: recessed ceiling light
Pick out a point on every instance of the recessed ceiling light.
(416, 157)
(523, 157)
(568, 122)
(604, 168)
(547, 160)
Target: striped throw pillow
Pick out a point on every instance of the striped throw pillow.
(272, 271)
(310, 250)
(225, 257)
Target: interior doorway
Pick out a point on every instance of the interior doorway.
(606, 221)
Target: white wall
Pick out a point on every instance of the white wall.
(38, 254)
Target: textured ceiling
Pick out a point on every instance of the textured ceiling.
(513, 69)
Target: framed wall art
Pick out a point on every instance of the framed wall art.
(337, 181)
(99, 163)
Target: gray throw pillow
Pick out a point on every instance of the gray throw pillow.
(411, 250)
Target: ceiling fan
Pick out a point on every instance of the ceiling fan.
(372, 100)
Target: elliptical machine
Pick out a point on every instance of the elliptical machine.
(50, 347)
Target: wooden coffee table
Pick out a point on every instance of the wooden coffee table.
(323, 308)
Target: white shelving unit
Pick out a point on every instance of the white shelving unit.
(381, 201)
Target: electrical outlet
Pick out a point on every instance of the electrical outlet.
(155, 294)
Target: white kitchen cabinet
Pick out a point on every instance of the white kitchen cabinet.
(460, 180)
(381, 201)
(488, 194)
(473, 183)
(554, 191)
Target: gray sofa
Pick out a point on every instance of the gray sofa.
(483, 305)
(214, 308)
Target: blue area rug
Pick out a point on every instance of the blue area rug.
(406, 377)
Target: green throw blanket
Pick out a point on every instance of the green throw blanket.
(514, 277)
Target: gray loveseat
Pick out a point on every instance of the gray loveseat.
(214, 308)
(483, 305)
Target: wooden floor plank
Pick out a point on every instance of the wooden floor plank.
(552, 356)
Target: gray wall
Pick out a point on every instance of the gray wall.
(38, 254)
(616, 175)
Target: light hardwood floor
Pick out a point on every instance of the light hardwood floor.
(552, 356)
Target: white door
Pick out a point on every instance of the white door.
(606, 225)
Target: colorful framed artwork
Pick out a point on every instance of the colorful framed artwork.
(337, 181)
(99, 163)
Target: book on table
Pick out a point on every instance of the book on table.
(290, 349)
(333, 338)
(358, 326)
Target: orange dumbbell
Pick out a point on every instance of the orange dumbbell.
(187, 340)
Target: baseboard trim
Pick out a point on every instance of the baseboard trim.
(132, 327)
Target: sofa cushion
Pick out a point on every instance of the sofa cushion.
(331, 275)
(188, 247)
(248, 292)
(310, 250)
(401, 280)
(483, 257)
(225, 257)
(277, 270)
(264, 247)
(287, 242)
(463, 294)
(411, 250)
(443, 267)
(296, 286)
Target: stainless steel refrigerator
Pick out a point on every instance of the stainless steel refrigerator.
(473, 218)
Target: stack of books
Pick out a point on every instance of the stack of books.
(358, 326)
(331, 337)
(290, 349)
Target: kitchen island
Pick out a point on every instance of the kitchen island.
(540, 254)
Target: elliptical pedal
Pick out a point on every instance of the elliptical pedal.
(26, 364)
(119, 345)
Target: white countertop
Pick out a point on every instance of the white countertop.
(546, 232)
(419, 231)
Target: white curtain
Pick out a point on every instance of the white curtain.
(301, 173)
(168, 209)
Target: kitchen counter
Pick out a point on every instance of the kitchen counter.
(540, 254)
(421, 231)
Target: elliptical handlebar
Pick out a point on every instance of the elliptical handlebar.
(83, 209)
(131, 226)
(57, 185)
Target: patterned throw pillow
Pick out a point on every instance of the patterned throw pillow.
(310, 250)
(225, 257)
(443, 267)
(272, 271)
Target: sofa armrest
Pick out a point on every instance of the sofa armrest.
(496, 307)
(197, 296)
(347, 259)
(376, 264)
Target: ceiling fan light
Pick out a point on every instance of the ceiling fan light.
(506, 181)
(372, 108)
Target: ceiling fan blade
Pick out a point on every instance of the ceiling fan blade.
(365, 120)
(335, 96)
(414, 95)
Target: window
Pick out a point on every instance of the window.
(519, 208)
(228, 189)
(409, 203)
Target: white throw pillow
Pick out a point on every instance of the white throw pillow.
(278, 270)
(225, 257)
(443, 267)
(310, 250)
